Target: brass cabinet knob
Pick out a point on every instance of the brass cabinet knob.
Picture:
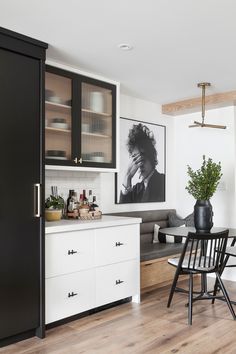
(78, 160)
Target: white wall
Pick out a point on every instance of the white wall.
(146, 111)
(65, 180)
(190, 145)
(220, 145)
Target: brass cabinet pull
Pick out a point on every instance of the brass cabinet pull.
(37, 203)
(78, 160)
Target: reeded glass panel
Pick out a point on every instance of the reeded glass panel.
(96, 124)
(58, 117)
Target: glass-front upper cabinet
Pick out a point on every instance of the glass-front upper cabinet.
(58, 117)
(80, 120)
(97, 130)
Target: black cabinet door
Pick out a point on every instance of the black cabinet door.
(97, 125)
(61, 116)
(19, 171)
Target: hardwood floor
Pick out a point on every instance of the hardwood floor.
(146, 328)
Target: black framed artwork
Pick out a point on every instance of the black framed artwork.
(142, 173)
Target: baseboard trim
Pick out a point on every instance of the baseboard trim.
(87, 313)
(17, 338)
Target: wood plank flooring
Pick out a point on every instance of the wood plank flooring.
(146, 328)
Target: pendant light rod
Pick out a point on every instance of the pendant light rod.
(203, 86)
(202, 124)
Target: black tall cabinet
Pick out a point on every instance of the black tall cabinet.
(21, 186)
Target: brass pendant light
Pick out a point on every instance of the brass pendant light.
(203, 124)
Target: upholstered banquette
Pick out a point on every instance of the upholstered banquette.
(153, 256)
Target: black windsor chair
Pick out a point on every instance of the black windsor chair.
(230, 251)
(203, 253)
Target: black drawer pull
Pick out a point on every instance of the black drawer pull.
(72, 294)
(72, 252)
(119, 244)
(119, 282)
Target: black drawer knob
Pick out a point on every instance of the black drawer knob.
(119, 244)
(119, 281)
(71, 252)
(72, 294)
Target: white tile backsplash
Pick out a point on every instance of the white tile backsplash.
(65, 180)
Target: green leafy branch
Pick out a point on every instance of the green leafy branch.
(54, 202)
(203, 182)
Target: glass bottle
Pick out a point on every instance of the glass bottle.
(90, 197)
(94, 206)
(71, 191)
(81, 200)
(85, 199)
(73, 205)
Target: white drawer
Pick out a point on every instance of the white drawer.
(69, 252)
(116, 282)
(60, 303)
(116, 244)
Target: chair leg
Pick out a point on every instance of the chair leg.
(224, 264)
(225, 295)
(215, 290)
(173, 286)
(190, 299)
(220, 272)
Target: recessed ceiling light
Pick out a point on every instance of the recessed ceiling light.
(125, 46)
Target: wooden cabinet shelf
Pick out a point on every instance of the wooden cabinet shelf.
(57, 107)
(89, 111)
(57, 130)
(95, 135)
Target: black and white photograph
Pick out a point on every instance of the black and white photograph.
(141, 177)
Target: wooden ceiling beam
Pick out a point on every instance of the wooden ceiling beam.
(195, 104)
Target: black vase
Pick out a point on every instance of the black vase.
(203, 216)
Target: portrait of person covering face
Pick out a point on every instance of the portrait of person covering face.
(142, 162)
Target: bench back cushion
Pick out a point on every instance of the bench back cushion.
(149, 219)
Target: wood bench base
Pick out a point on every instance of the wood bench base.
(156, 273)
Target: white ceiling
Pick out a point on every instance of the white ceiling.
(176, 43)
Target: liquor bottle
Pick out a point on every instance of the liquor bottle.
(84, 207)
(72, 209)
(71, 191)
(90, 197)
(85, 199)
(81, 200)
(94, 206)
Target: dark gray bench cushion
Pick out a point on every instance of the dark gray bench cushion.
(158, 250)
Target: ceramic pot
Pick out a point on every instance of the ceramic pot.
(97, 102)
(53, 214)
(203, 216)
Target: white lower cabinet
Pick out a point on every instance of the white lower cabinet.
(69, 252)
(69, 294)
(116, 244)
(90, 268)
(116, 281)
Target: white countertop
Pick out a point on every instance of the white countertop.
(73, 225)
